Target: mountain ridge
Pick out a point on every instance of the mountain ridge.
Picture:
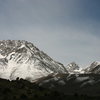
(19, 58)
(22, 59)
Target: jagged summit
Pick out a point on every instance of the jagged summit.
(93, 68)
(8, 46)
(74, 68)
(19, 58)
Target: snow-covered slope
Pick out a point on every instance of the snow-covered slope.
(22, 59)
(93, 68)
(73, 68)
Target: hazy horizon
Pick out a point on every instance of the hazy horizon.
(67, 30)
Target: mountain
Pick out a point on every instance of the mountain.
(93, 68)
(73, 68)
(19, 58)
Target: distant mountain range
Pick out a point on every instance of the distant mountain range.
(19, 58)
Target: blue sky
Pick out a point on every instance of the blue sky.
(67, 30)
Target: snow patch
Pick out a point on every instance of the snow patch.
(82, 78)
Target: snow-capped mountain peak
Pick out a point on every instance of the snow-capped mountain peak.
(93, 68)
(22, 59)
(73, 68)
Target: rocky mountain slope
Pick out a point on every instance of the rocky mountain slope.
(22, 59)
(93, 68)
(73, 68)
